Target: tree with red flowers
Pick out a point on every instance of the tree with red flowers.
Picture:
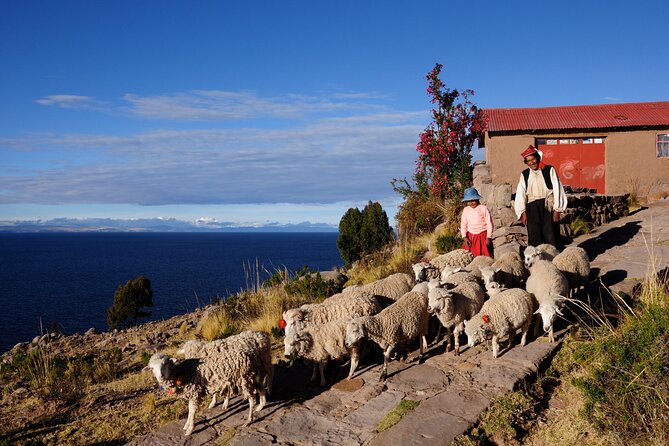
(443, 167)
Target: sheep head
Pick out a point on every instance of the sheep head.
(296, 342)
(162, 367)
(447, 271)
(355, 332)
(549, 311)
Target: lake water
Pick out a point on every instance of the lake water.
(70, 279)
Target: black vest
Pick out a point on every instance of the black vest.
(545, 171)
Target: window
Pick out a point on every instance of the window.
(663, 145)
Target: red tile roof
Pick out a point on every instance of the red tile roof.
(640, 114)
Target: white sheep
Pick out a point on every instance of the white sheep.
(394, 327)
(452, 307)
(319, 343)
(509, 270)
(392, 287)
(545, 251)
(550, 288)
(341, 308)
(457, 257)
(493, 288)
(423, 272)
(227, 371)
(453, 277)
(575, 265)
(500, 317)
(257, 343)
(474, 267)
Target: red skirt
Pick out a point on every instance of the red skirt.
(478, 247)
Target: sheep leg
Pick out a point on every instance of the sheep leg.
(495, 346)
(314, 371)
(190, 421)
(386, 356)
(252, 400)
(449, 332)
(213, 400)
(321, 366)
(525, 329)
(355, 359)
(456, 338)
(262, 399)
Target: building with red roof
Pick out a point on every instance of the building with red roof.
(612, 148)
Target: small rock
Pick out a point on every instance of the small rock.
(91, 331)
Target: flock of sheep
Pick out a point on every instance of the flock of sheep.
(484, 298)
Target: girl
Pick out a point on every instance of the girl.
(476, 225)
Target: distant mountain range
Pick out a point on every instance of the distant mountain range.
(156, 225)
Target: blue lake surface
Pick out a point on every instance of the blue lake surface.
(70, 278)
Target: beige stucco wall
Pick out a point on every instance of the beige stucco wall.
(630, 156)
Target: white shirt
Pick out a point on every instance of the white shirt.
(536, 189)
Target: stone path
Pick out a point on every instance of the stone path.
(453, 391)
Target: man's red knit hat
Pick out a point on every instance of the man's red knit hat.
(530, 151)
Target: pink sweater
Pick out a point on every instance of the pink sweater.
(475, 220)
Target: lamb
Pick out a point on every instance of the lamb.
(423, 272)
(453, 277)
(575, 265)
(393, 286)
(457, 257)
(223, 370)
(320, 342)
(549, 287)
(394, 327)
(474, 267)
(500, 317)
(453, 307)
(256, 343)
(342, 308)
(509, 270)
(545, 251)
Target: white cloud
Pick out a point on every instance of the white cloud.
(329, 160)
(70, 101)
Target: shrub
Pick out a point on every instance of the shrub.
(216, 324)
(129, 299)
(309, 284)
(419, 215)
(448, 242)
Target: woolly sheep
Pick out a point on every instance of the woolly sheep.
(549, 286)
(228, 371)
(452, 277)
(457, 257)
(392, 287)
(500, 317)
(395, 326)
(452, 307)
(575, 265)
(257, 343)
(423, 272)
(493, 288)
(474, 267)
(320, 342)
(421, 287)
(509, 270)
(545, 251)
(342, 308)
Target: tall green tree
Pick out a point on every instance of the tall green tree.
(348, 241)
(129, 299)
(362, 233)
(375, 232)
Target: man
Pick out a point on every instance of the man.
(540, 198)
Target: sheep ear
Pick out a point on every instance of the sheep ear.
(174, 360)
(498, 269)
(558, 311)
(458, 269)
(537, 312)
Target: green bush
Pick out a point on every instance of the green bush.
(129, 299)
(309, 284)
(627, 376)
(448, 242)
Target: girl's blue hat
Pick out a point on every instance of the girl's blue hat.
(471, 194)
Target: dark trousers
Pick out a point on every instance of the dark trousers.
(540, 226)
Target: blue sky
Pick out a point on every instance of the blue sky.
(279, 111)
